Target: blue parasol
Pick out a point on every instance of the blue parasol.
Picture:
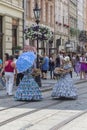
(25, 61)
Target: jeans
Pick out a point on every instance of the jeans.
(51, 72)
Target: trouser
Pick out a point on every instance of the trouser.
(9, 77)
(2, 83)
(51, 74)
(19, 78)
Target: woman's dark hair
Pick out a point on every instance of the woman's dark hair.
(16, 56)
(7, 56)
(57, 61)
(77, 58)
(11, 57)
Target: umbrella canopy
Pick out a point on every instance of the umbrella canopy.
(25, 61)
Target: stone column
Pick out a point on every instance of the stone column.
(7, 38)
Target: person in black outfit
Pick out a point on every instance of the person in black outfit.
(57, 61)
(51, 67)
(19, 75)
(71, 63)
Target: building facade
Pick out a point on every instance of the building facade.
(85, 23)
(11, 25)
(46, 19)
(73, 40)
(80, 16)
(63, 17)
(81, 22)
(61, 22)
(85, 15)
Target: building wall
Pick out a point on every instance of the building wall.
(60, 16)
(47, 12)
(73, 24)
(85, 15)
(85, 22)
(46, 18)
(11, 11)
(80, 12)
(61, 22)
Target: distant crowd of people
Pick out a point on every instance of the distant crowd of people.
(78, 62)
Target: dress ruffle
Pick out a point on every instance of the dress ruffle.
(28, 89)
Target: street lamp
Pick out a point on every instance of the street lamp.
(37, 11)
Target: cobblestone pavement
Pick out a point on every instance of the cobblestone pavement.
(50, 82)
(48, 114)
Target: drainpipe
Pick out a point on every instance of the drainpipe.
(24, 19)
(54, 27)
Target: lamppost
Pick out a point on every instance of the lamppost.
(37, 11)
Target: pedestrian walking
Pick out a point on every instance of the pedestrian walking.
(45, 66)
(64, 88)
(57, 61)
(77, 65)
(9, 67)
(51, 66)
(86, 65)
(83, 67)
(19, 76)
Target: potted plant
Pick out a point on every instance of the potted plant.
(73, 31)
(34, 31)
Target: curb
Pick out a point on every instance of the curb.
(50, 88)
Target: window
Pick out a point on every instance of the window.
(28, 8)
(46, 12)
(15, 23)
(14, 35)
(0, 24)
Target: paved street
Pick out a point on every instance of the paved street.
(47, 114)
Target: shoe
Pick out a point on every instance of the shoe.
(10, 94)
(6, 93)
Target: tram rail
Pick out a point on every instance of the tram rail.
(36, 110)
